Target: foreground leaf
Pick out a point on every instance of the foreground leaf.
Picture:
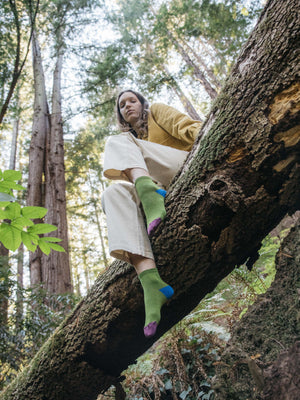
(28, 242)
(34, 212)
(42, 228)
(10, 237)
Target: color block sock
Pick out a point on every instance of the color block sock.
(156, 293)
(153, 200)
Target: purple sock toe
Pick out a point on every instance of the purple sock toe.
(153, 225)
(150, 329)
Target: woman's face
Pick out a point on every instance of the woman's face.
(130, 107)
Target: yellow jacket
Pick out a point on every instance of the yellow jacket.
(170, 127)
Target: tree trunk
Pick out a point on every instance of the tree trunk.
(19, 292)
(100, 230)
(15, 134)
(261, 361)
(86, 271)
(56, 266)
(198, 74)
(40, 131)
(239, 180)
(5, 289)
(20, 258)
(201, 62)
(188, 106)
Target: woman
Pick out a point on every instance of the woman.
(146, 156)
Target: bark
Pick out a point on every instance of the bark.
(261, 360)
(56, 266)
(20, 286)
(40, 131)
(15, 134)
(240, 179)
(4, 295)
(46, 183)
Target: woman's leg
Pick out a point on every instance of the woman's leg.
(134, 173)
(124, 152)
(138, 161)
(156, 291)
(134, 160)
(125, 222)
(128, 241)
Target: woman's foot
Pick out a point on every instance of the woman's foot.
(153, 200)
(156, 293)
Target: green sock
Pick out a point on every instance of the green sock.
(153, 200)
(156, 293)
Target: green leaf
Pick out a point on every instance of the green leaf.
(3, 214)
(12, 175)
(11, 185)
(12, 211)
(4, 189)
(52, 239)
(44, 247)
(46, 244)
(34, 212)
(6, 197)
(21, 222)
(42, 228)
(10, 237)
(4, 203)
(35, 238)
(27, 240)
(57, 247)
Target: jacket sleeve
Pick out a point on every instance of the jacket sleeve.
(175, 123)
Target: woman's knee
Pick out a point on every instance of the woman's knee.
(113, 139)
(116, 192)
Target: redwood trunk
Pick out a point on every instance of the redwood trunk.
(240, 179)
(56, 266)
(40, 131)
